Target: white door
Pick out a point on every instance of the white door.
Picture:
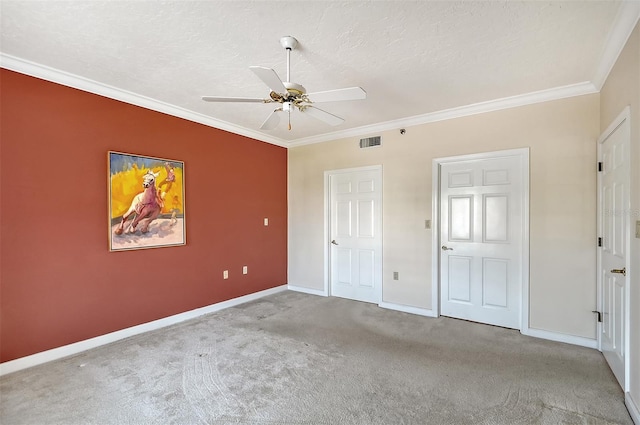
(356, 234)
(613, 218)
(481, 233)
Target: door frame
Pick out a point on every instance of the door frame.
(437, 163)
(327, 224)
(624, 118)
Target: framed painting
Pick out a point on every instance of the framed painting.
(146, 202)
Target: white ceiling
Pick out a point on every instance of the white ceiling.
(414, 58)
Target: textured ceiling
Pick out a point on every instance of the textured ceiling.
(412, 58)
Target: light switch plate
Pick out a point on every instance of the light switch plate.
(638, 229)
(427, 224)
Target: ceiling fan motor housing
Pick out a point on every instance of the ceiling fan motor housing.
(294, 89)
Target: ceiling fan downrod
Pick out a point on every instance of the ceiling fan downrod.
(288, 65)
(289, 43)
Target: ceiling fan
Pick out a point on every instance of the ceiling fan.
(291, 95)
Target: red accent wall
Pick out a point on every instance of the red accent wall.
(59, 283)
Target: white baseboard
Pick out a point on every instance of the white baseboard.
(306, 290)
(554, 336)
(633, 409)
(87, 344)
(408, 309)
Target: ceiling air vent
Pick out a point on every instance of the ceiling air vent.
(370, 142)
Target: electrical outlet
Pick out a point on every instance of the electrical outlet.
(638, 229)
(395, 275)
(225, 274)
(266, 221)
(427, 224)
(245, 270)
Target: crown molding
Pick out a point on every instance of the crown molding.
(33, 69)
(462, 111)
(71, 80)
(625, 21)
(623, 25)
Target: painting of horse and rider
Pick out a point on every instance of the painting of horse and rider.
(146, 202)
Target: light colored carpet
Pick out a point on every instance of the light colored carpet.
(292, 358)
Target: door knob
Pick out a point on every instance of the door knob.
(334, 242)
(446, 248)
(622, 271)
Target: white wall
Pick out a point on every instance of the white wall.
(622, 88)
(562, 137)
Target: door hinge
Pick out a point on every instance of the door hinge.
(599, 241)
(600, 166)
(599, 315)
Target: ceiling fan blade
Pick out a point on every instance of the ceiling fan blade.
(351, 93)
(270, 78)
(234, 99)
(272, 120)
(323, 115)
